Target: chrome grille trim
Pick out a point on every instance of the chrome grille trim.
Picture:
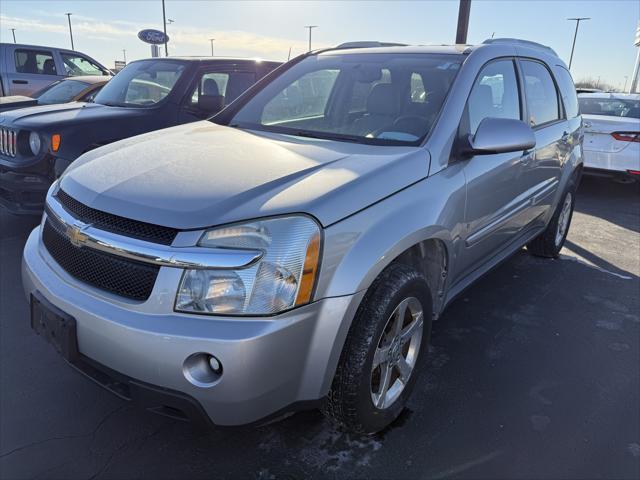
(86, 236)
(8, 142)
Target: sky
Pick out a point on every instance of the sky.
(268, 29)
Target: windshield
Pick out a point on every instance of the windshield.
(141, 84)
(385, 99)
(62, 91)
(613, 107)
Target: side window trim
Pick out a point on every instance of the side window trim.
(562, 116)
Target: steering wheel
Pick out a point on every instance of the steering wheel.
(412, 124)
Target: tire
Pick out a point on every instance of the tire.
(350, 402)
(550, 242)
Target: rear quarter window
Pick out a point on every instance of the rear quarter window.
(567, 91)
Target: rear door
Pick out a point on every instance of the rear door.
(496, 184)
(30, 69)
(546, 116)
(226, 84)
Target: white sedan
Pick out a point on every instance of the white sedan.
(611, 134)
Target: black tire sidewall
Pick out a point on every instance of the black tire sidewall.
(372, 418)
(571, 190)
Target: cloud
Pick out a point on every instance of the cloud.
(183, 40)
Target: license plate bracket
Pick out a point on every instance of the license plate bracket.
(55, 326)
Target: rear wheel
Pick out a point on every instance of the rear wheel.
(551, 241)
(383, 352)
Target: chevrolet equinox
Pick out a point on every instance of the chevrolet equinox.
(293, 251)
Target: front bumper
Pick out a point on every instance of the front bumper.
(23, 190)
(269, 363)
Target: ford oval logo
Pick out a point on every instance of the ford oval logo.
(154, 37)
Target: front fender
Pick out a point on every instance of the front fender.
(359, 247)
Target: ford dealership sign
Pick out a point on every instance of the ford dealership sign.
(154, 37)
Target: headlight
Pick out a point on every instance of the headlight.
(35, 143)
(283, 278)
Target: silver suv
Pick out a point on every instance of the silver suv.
(293, 251)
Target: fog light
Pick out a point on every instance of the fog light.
(202, 369)
(215, 364)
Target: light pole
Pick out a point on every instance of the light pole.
(124, 54)
(164, 26)
(626, 78)
(70, 31)
(13, 31)
(463, 22)
(575, 35)
(310, 27)
(211, 40)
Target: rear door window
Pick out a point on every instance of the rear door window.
(227, 84)
(494, 95)
(39, 62)
(540, 92)
(568, 89)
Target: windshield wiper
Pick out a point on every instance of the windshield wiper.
(118, 104)
(326, 136)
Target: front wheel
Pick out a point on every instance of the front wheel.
(382, 356)
(551, 241)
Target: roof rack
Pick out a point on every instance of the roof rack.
(522, 43)
(368, 44)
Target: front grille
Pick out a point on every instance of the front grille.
(118, 275)
(8, 142)
(116, 224)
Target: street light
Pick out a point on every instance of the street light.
(211, 40)
(575, 35)
(70, 31)
(626, 78)
(164, 26)
(13, 30)
(310, 27)
(124, 54)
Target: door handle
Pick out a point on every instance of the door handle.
(586, 124)
(20, 82)
(526, 158)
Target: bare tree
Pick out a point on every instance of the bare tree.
(595, 83)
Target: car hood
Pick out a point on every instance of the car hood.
(16, 101)
(203, 174)
(64, 114)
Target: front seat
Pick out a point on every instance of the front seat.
(210, 100)
(210, 87)
(48, 67)
(480, 105)
(382, 110)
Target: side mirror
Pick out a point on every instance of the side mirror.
(501, 135)
(210, 104)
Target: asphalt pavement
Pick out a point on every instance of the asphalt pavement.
(534, 373)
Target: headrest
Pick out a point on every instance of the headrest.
(382, 100)
(210, 87)
(481, 100)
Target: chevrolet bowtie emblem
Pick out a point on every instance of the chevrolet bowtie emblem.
(75, 235)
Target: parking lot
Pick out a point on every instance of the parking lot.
(534, 373)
